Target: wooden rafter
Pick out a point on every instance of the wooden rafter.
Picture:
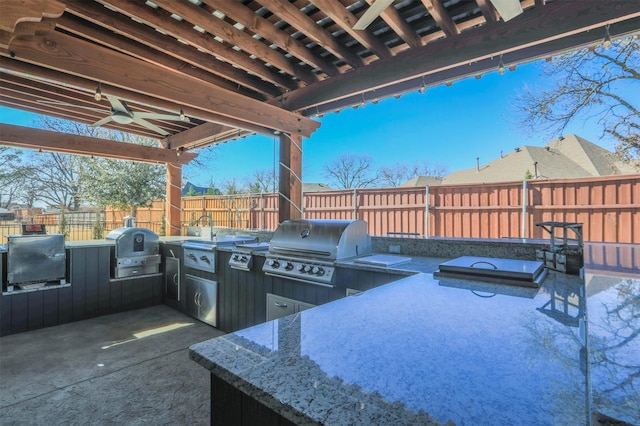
(267, 30)
(75, 57)
(200, 17)
(391, 16)
(346, 20)
(152, 47)
(557, 20)
(26, 137)
(306, 25)
(183, 31)
(440, 15)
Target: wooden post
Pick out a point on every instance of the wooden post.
(290, 180)
(173, 206)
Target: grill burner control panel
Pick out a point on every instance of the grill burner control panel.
(301, 270)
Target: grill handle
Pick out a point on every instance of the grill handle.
(299, 253)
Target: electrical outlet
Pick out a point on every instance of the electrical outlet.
(394, 249)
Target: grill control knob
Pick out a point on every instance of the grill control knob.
(315, 270)
(243, 258)
(274, 263)
(308, 268)
(205, 259)
(236, 257)
(300, 268)
(288, 266)
(320, 272)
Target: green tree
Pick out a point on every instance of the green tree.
(191, 192)
(126, 185)
(528, 175)
(596, 84)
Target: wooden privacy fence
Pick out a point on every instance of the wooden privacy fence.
(608, 207)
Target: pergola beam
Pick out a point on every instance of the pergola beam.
(26, 137)
(558, 20)
(80, 58)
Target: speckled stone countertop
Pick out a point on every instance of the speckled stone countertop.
(419, 351)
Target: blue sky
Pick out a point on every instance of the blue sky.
(445, 125)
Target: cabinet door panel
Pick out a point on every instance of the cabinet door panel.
(278, 307)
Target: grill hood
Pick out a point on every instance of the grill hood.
(328, 240)
(130, 241)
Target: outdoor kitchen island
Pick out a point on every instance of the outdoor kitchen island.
(415, 351)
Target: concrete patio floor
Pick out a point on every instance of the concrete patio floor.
(127, 368)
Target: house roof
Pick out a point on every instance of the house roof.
(260, 66)
(199, 190)
(564, 157)
(315, 187)
(423, 181)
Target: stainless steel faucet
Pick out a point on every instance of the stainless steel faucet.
(211, 233)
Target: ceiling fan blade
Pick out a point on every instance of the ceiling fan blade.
(102, 121)
(118, 105)
(71, 105)
(167, 117)
(371, 14)
(145, 123)
(508, 9)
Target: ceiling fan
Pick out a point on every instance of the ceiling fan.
(508, 9)
(122, 114)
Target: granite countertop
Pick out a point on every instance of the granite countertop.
(418, 351)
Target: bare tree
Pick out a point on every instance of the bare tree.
(12, 176)
(592, 84)
(231, 186)
(54, 178)
(261, 181)
(351, 171)
(399, 173)
(67, 180)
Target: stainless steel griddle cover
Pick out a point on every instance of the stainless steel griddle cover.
(502, 271)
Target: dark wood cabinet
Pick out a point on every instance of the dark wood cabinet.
(89, 293)
(242, 294)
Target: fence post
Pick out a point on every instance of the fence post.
(261, 210)
(426, 211)
(355, 205)
(524, 209)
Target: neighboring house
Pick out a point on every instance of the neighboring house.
(422, 181)
(315, 187)
(6, 214)
(197, 190)
(564, 157)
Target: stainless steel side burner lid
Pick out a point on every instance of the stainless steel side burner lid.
(526, 273)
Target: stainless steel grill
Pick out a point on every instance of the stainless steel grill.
(307, 250)
(136, 252)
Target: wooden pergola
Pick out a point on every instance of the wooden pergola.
(237, 68)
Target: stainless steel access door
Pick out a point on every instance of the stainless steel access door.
(201, 299)
(33, 258)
